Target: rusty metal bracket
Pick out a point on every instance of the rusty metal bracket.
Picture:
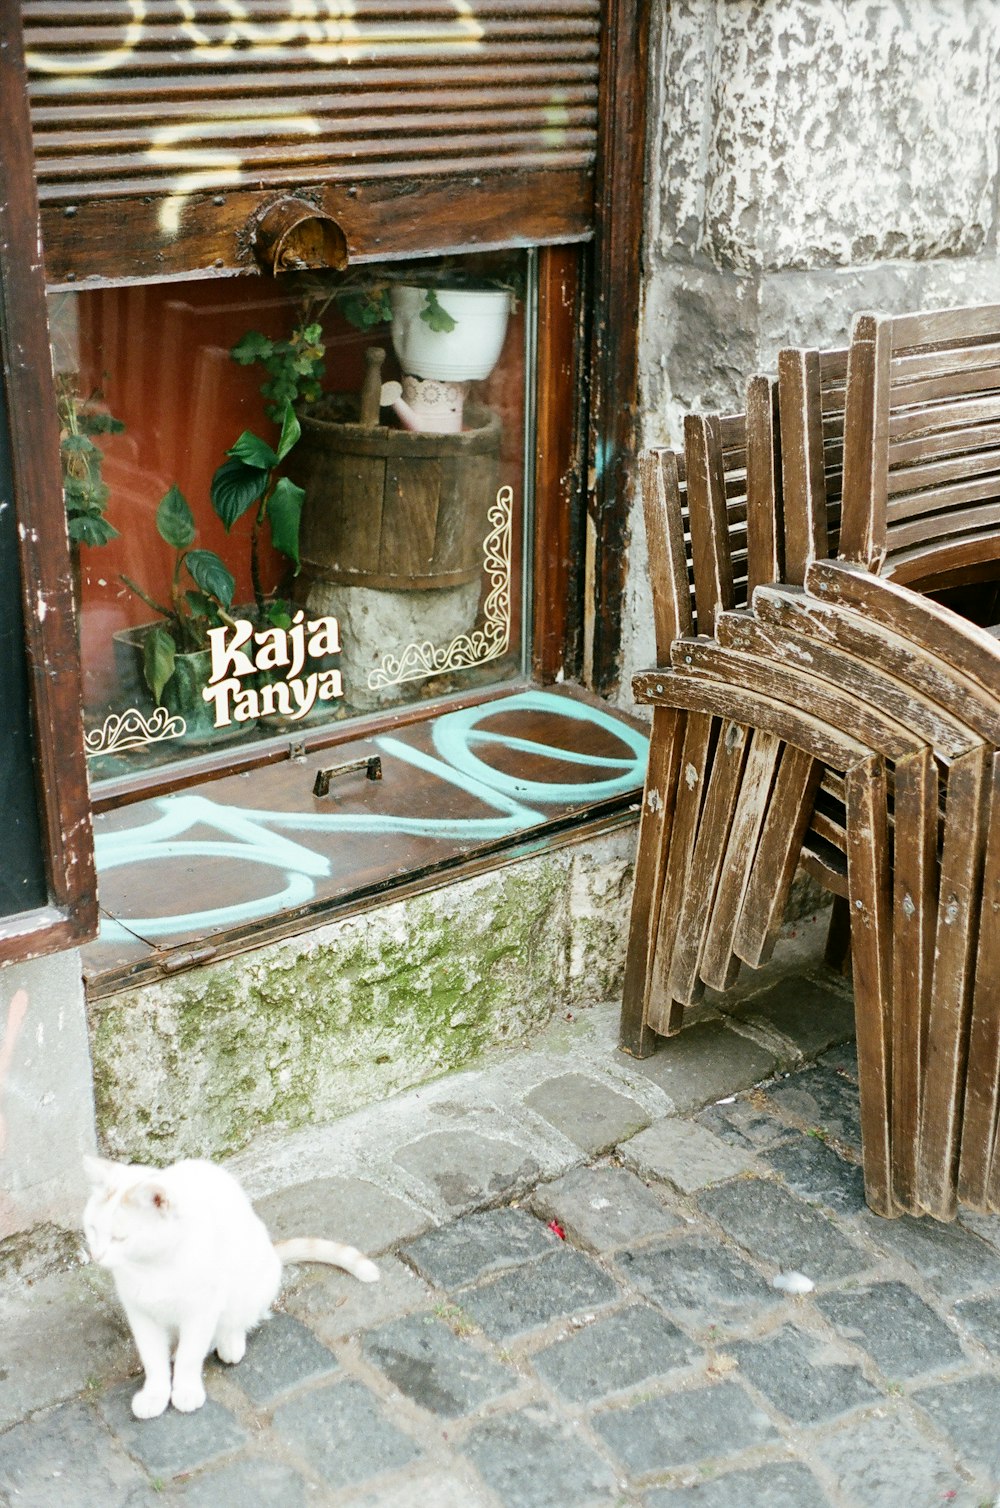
(372, 767)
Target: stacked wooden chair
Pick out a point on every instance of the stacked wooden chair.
(820, 705)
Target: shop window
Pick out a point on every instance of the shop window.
(268, 584)
(294, 503)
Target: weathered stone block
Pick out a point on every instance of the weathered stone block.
(949, 1258)
(885, 1462)
(552, 1288)
(616, 1352)
(435, 1368)
(798, 1375)
(533, 1459)
(771, 1486)
(961, 1411)
(342, 1209)
(602, 1208)
(681, 1429)
(343, 1434)
(777, 1227)
(486, 1242)
(702, 1283)
(704, 1062)
(174, 1442)
(281, 1354)
(685, 1155)
(65, 1456)
(587, 1111)
(889, 1321)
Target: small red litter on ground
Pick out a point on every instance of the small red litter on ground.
(557, 1229)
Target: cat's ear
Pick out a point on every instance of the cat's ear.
(101, 1173)
(151, 1196)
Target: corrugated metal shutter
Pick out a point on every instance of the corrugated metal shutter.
(419, 126)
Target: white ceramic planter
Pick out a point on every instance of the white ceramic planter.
(469, 352)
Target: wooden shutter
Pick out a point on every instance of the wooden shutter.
(163, 128)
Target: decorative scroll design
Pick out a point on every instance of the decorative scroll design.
(130, 730)
(491, 641)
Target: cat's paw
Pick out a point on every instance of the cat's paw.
(150, 1402)
(231, 1347)
(188, 1395)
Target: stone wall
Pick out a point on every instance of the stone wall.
(808, 158)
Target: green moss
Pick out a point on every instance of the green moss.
(312, 1028)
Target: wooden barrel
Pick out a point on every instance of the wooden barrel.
(393, 509)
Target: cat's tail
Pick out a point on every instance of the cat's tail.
(333, 1253)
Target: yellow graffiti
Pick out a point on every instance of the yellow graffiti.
(95, 62)
(207, 167)
(326, 31)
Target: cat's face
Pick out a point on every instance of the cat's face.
(129, 1216)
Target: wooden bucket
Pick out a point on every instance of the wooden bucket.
(393, 509)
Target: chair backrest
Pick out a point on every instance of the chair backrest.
(922, 454)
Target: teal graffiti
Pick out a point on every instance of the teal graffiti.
(250, 836)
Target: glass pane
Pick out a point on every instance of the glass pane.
(292, 502)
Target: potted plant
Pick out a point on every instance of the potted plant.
(175, 654)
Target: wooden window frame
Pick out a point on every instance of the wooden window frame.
(589, 298)
(51, 648)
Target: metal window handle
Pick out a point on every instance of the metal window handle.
(372, 767)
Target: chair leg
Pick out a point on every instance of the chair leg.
(869, 889)
(962, 857)
(659, 797)
(978, 1182)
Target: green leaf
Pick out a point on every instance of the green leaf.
(253, 451)
(208, 572)
(174, 520)
(290, 431)
(158, 655)
(279, 614)
(79, 445)
(91, 529)
(252, 347)
(432, 314)
(284, 510)
(200, 604)
(235, 488)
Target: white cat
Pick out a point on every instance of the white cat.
(190, 1260)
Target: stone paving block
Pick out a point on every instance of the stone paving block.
(343, 1209)
(343, 1434)
(812, 1013)
(967, 1412)
(60, 1334)
(602, 1208)
(685, 1155)
(820, 1099)
(981, 1318)
(465, 1169)
(335, 1305)
(616, 1352)
(281, 1354)
(452, 1486)
(815, 1171)
(949, 1258)
(740, 1121)
(776, 1226)
(486, 1242)
(555, 1287)
(174, 1442)
(424, 1358)
(246, 1483)
(801, 1378)
(842, 1059)
(771, 1486)
(534, 1459)
(700, 1282)
(705, 1062)
(587, 1110)
(885, 1463)
(983, 1225)
(894, 1325)
(66, 1457)
(684, 1429)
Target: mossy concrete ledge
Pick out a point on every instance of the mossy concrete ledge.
(304, 1030)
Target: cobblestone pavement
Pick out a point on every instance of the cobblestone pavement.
(576, 1305)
